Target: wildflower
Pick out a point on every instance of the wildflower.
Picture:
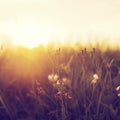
(118, 90)
(50, 77)
(95, 76)
(56, 77)
(95, 79)
(53, 78)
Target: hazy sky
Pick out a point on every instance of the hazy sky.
(25, 20)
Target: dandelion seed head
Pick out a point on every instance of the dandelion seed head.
(95, 76)
(56, 77)
(53, 77)
(50, 77)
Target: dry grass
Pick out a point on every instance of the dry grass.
(62, 84)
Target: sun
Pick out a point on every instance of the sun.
(30, 35)
(30, 41)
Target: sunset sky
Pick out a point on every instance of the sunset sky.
(33, 22)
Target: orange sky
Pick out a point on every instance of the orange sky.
(33, 22)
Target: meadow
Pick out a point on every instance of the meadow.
(62, 83)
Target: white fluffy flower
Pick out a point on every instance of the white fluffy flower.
(95, 76)
(56, 77)
(50, 77)
(53, 77)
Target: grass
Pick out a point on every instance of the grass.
(62, 84)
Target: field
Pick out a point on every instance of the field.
(63, 83)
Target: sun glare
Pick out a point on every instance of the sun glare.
(31, 23)
(31, 35)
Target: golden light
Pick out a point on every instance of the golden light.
(31, 35)
(31, 23)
